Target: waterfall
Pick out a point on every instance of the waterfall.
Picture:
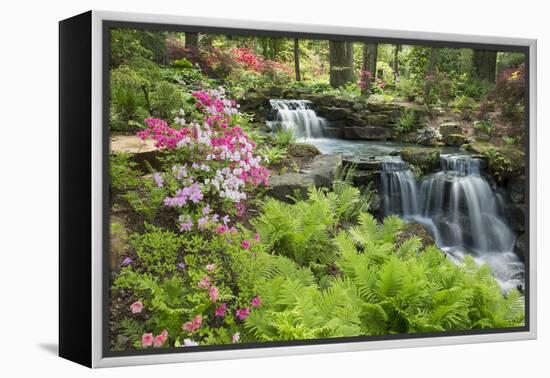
(298, 116)
(460, 209)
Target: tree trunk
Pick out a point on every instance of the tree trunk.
(341, 63)
(430, 71)
(370, 56)
(396, 62)
(192, 40)
(485, 63)
(297, 59)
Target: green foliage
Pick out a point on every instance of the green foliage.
(284, 138)
(484, 126)
(300, 230)
(406, 121)
(384, 289)
(464, 105)
(138, 91)
(159, 251)
(123, 172)
(500, 165)
(147, 199)
(274, 154)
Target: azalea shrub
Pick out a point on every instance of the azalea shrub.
(215, 165)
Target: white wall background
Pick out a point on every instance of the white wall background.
(28, 171)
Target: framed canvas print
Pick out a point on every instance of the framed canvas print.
(235, 189)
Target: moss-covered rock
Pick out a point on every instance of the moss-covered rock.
(455, 140)
(503, 162)
(425, 159)
(415, 229)
(303, 150)
(448, 128)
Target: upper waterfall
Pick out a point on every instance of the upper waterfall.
(298, 116)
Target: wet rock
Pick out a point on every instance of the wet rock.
(448, 128)
(322, 100)
(337, 124)
(363, 164)
(367, 133)
(521, 246)
(364, 178)
(455, 140)
(320, 173)
(303, 150)
(516, 217)
(426, 159)
(516, 189)
(333, 132)
(411, 229)
(274, 92)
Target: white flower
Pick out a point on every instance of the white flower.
(189, 343)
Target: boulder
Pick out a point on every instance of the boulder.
(448, 128)
(323, 100)
(274, 92)
(426, 159)
(367, 133)
(380, 120)
(254, 100)
(411, 229)
(455, 140)
(364, 164)
(516, 217)
(381, 106)
(516, 189)
(303, 150)
(319, 172)
(333, 132)
(337, 124)
(334, 113)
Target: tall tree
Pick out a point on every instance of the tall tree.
(485, 64)
(192, 40)
(370, 56)
(396, 61)
(341, 63)
(434, 53)
(297, 59)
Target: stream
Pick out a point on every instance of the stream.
(460, 207)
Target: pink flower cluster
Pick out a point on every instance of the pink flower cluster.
(193, 325)
(148, 339)
(224, 166)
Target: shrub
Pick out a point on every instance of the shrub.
(406, 121)
(464, 105)
(123, 172)
(214, 163)
(284, 138)
(484, 126)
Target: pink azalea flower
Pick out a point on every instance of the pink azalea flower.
(147, 340)
(256, 301)
(257, 237)
(160, 339)
(235, 337)
(214, 293)
(245, 244)
(136, 307)
(193, 325)
(243, 313)
(204, 283)
(220, 311)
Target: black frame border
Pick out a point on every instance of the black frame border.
(112, 24)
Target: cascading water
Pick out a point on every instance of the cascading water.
(298, 116)
(461, 210)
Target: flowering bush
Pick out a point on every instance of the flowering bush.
(218, 165)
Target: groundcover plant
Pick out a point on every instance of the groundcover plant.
(270, 189)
